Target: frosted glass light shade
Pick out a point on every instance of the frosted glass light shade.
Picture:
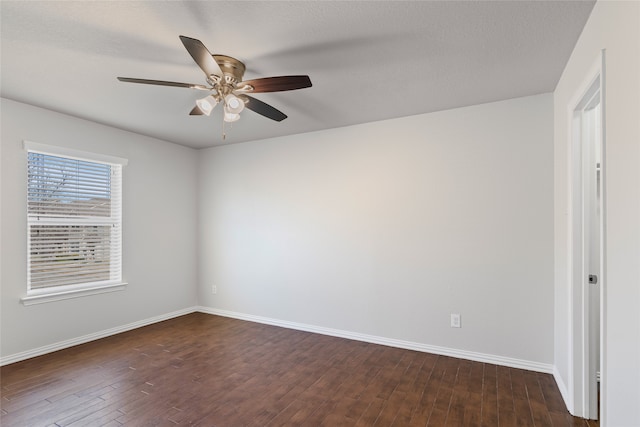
(231, 117)
(233, 104)
(207, 104)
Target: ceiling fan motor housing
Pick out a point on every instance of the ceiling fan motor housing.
(232, 68)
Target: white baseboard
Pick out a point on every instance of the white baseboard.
(409, 345)
(91, 337)
(564, 391)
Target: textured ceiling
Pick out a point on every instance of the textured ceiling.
(368, 60)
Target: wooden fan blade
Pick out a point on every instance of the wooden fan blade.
(162, 83)
(264, 109)
(277, 84)
(201, 56)
(196, 111)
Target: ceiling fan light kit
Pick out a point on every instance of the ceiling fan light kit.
(224, 77)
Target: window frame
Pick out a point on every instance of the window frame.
(61, 292)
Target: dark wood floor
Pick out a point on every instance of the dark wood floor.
(212, 371)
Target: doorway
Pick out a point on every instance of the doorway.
(588, 234)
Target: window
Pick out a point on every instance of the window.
(74, 223)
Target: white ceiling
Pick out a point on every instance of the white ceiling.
(368, 60)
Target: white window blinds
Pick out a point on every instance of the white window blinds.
(74, 220)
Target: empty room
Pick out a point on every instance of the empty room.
(339, 213)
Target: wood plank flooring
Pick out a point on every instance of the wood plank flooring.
(207, 370)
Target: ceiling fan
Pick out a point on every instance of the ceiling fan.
(225, 85)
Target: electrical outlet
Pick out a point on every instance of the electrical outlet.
(455, 320)
(214, 289)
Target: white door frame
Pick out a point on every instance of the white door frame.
(582, 368)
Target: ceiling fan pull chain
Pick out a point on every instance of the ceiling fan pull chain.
(224, 133)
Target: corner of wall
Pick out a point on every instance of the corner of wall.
(564, 390)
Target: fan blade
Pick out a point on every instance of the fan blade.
(162, 83)
(264, 109)
(196, 111)
(201, 56)
(277, 84)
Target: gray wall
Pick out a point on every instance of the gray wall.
(614, 26)
(159, 230)
(386, 228)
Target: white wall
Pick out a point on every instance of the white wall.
(386, 228)
(614, 26)
(159, 230)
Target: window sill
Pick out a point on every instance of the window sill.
(41, 298)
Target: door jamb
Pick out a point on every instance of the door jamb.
(578, 302)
